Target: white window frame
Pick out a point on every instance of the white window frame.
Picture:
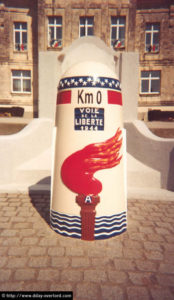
(87, 25)
(150, 78)
(152, 31)
(21, 77)
(21, 46)
(58, 42)
(117, 25)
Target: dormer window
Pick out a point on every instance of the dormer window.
(152, 37)
(86, 26)
(20, 36)
(118, 32)
(55, 32)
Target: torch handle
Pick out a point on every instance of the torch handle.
(87, 204)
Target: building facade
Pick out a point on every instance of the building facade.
(30, 26)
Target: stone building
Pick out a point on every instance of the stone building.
(30, 26)
(18, 54)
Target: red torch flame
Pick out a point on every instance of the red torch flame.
(78, 169)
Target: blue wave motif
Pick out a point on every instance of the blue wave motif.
(110, 226)
(105, 226)
(117, 216)
(66, 225)
(65, 217)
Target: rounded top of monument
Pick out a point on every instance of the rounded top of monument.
(89, 74)
(90, 68)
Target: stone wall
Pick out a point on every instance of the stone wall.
(164, 59)
(36, 13)
(11, 59)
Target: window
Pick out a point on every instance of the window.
(86, 26)
(21, 81)
(118, 32)
(152, 37)
(20, 36)
(150, 82)
(55, 32)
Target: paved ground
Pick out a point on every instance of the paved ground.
(138, 264)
